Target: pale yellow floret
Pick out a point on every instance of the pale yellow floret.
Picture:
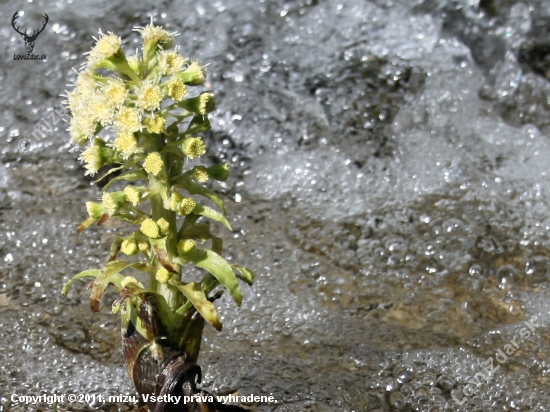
(175, 200)
(126, 144)
(106, 47)
(129, 247)
(143, 246)
(164, 226)
(127, 120)
(132, 194)
(134, 61)
(185, 246)
(194, 74)
(127, 280)
(155, 124)
(162, 275)
(170, 62)
(176, 89)
(193, 147)
(150, 228)
(115, 93)
(206, 103)
(153, 163)
(187, 205)
(149, 96)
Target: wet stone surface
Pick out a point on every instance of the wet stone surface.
(390, 189)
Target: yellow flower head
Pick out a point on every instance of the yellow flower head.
(193, 147)
(143, 246)
(155, 124)
(202, 104)
(132, 194)
(150, 229)
(164, 226)
(126, 144)
(115, 93)
(200, 173)
(149, 96)
(185, 246)
(153, 163)
(134, 61)
(170, 62)
(187, 205)
(106, 47)
(127, 120)
(129, 247)
(162, 275)
(127, 280)
(176, 89)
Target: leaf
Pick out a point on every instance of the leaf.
(115, 247)
(91, 273)
(219, 268)
(211, 214)
(196, 296)
(106, 274)
(245, 274)
(130, 176)
(187, 183)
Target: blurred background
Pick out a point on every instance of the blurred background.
(389, 188)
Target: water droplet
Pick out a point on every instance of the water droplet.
(507, 275)
(403, 373)
(536, 268)
(397, 400)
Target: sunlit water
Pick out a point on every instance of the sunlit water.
(390, 190)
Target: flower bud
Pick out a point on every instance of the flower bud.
(193, 147)
(219, 172)
(153, 163)
(164, 226)
(202, 104)
(143, 246)
(95, 210)
(133, 194)
(175, 200)
(113, 201)
(200, 173)
(185, 246)
(155, 38)
(176, 89)
(126, 144)
(150, 229)
(170, 62)
(155, 124)
(129, 247)
(193, 75)
(97, 155)
(187, 205)
(163, 275)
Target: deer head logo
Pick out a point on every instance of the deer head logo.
(29, 39)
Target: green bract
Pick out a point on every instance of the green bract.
(148, 104)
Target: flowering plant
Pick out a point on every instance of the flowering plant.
(143, 99)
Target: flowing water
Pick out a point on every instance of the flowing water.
(390, 189)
